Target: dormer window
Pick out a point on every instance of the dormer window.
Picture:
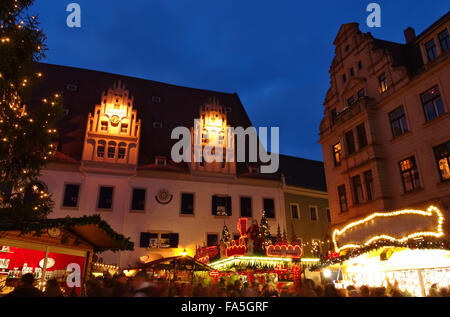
(444, 40)
(104, 126)
(430, 47)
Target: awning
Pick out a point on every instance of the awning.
(179, 261)
(91, 229)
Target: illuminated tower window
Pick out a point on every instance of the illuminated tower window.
(124, 128)
(101, 149)
(122, 149)
(111, 149)
(104, 126)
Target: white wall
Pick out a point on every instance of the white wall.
(192, 230)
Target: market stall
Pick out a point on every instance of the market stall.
(406, 249)
(54, 248)
(181, 268)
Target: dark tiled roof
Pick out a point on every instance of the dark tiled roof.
(303, 173)
(179, 106)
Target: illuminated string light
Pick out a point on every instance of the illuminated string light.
(430, 211)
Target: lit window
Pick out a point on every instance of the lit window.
(124, 128)
(122, 151)
(337, 154)
(409, 174)
(111, 149)
(101, 149)
(442, 153)
(104, 126)
(382, 80)
(432, 103)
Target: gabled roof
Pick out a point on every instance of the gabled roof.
(179, 106)
(303, 173)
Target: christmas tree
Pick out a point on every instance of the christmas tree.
(279, 238)
(264, 230)
(284, 239)
(226, 235)
(26, 138)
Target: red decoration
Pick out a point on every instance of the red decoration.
(238, 247)
(236, 250)
(284, 251)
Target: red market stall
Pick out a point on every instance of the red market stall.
(54, 248)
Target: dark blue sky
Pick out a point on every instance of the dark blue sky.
(274, 54)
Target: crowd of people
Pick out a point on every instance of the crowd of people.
(142, 285)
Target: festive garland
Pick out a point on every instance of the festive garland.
(428, 243)
(39, 227)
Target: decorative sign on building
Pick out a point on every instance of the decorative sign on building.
(163, 196)
(397, 227)
(284, 251)
(238, 247)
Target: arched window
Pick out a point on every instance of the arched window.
(111, 149)
(122, 151)
(101, 149)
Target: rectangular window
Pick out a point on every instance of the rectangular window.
(409, 174)
(105, 197)
(342, 198)
(442, 153)
(368, 180)
(430, 47)
(350, 140)
(444, 40)
(71, 195)
(397, 118)
(294, 211)
(156, 99)
(382, 81)
(432, 103)
(157, 125)
(212, 239)
(328, 215)
(362, 137)
(104, 126)
(351, 101)
(187, 204)
(138, 199)
(333, 116)
(101, 150)
(221, 205)
(246, 206)
(352, 72)
(358, 195)
(361, 93)
(313, 212)
(111, 151)
(337, 154)
(359, 65)
(124, 128)
(156, 240)
(269, 207)
(344, 78)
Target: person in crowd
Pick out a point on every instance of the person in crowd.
(26, 288)
(52, 289)
(364, 291)
(330, 290)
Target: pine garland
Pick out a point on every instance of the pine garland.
(39, 227)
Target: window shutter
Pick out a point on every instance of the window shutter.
(145, 240)
(229, 206)
(174, 239)
(214, 205)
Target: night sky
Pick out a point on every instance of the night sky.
(274, 54)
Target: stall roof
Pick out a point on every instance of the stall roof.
(180, 259)
(91, 229)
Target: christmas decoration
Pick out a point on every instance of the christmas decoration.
(284, 250)
(27, 139)
(226, 235)
(265, 231)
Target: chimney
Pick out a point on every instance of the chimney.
(410, 35)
